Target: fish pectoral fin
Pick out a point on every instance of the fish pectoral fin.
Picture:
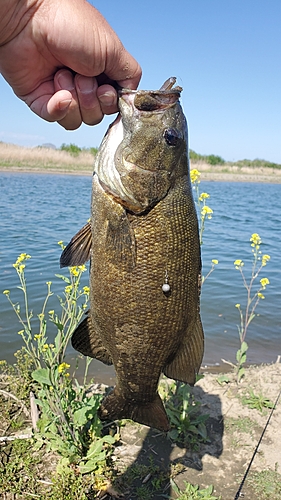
(120, 239)
(187, 361)
(78, 250)
(86, 341)
(152, 413)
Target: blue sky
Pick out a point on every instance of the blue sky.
(225, 54)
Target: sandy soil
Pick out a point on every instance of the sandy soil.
(226, 173)
(234, 431)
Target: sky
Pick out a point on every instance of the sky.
(226, 54)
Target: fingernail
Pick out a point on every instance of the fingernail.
(65, 81)
(64, 104)
(85, 84)
(107, 99)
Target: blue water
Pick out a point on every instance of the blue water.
(38, 210)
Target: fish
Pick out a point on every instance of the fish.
(145, 261)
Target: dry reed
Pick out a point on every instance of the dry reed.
(12, 155)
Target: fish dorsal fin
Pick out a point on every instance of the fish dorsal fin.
(78, 250)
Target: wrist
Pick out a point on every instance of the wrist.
(14, 15)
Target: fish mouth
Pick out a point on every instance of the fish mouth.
(149, 100)
(152, 100)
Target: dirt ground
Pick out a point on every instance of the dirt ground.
(234, 430)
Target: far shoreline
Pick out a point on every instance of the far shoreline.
(210, 175)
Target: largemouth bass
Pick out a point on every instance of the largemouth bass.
(143, 242)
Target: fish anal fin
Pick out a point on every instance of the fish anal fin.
(78, 250)
(187, 361)
(151, 413)
(86, 341)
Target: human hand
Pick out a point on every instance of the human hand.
(63, 59)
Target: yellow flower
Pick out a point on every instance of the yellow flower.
(62, 367)
(264, 259)
(38, 336)
(21, 258)
(206, 211)
(48, 283)
(237, 305)
(260, 295)
(238, 263)
(21, 268)
(86, 290)
(264, 282)
(194, 175)
(82, 268)
(41, 316)
(74, 271)
(60, 243)
(45, 347)
(256, 240)
(215, 261)
(203, 196)
(52, 312)
(68, 289)
(21, 332)
(6, 292)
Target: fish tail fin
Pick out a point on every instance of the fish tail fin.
(151, 413)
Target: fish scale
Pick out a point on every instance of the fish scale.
(143, 234)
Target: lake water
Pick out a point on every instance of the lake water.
(36, 211)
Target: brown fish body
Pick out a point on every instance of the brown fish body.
(143, 236)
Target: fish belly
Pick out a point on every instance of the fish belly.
(142, 329)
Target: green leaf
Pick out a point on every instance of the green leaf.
(223, 379)
(90, 465)
(238, 356)
(202, 430)
(94, 449)
(243, 359)
(63, 466)
(173, 434)
(109, 439)
(80, 416)
(64, 278)
(244, 347)
(241, 374)
(42, 375)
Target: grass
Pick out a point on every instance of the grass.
(236, 427)
(266, 484)
(240, 424)
(47, 159)
(44, 159)
(25, 473)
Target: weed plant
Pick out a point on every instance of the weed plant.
(266, 484)
(193, 492)
(254, 295)
(256, 401)
(188, 424)
(68, 422)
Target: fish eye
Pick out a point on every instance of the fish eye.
(172, 136)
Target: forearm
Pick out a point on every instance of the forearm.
(14, 15)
